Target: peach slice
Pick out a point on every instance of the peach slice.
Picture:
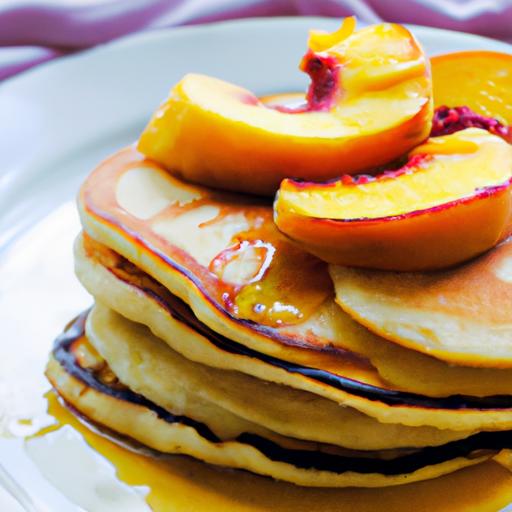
(450, 202)
(369, 102)
(483, 82)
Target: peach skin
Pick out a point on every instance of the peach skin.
(450, 202)
(483, 82)
(368, 103)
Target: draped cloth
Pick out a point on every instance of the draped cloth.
(35, 31)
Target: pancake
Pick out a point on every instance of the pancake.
(148, 366)
(127, 196)
(141, 299)
(459, 316)
(221, 254)
(166, 379)
(107, 403)
(425, 375)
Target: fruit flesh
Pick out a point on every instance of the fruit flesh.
(483, 82)
(431, 224)
(446, 173)
(215, 133)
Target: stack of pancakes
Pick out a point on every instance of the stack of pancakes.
(214, 336)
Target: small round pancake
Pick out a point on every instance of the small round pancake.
(462, 316)
(174, 323)
(134, 417)
(150, 367)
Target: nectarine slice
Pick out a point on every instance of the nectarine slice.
(450, 202)
(369, 102)
(480, 80)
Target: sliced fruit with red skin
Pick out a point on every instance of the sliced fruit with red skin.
(369, 102)
(480, 80)
(451, 202)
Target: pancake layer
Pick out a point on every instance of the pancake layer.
(424, 375)
(460, 316)
(150, 367)
(173, 322)
(223, 256)
(108, 403)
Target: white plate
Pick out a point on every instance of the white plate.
(56, 123)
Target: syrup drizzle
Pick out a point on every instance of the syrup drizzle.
(285, 287)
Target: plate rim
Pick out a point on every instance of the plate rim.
(159, 33)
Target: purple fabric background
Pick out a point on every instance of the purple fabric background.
(35, 31)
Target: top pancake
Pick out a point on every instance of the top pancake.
(113, 280)
(222, 255)
(461, 315)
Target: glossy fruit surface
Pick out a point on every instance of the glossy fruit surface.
(448, 203)
(480, 80)
(368, 103)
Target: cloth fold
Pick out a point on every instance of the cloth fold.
(35, 31)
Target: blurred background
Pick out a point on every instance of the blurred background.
(35, 31)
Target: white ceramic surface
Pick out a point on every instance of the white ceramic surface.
(56, 123)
